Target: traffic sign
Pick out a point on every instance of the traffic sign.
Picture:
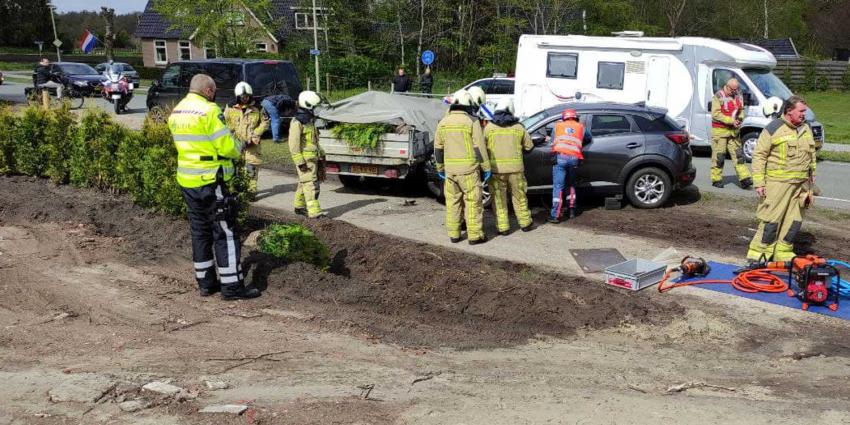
(57, 42)
(428, 57)
(315, 52)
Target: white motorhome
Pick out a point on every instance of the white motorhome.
(678, 74)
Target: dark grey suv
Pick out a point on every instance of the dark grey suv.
(635, 150)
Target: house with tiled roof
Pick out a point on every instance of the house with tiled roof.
(163, 44)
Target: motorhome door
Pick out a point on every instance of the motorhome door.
(658, 79)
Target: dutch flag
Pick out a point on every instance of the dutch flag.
(87, 41)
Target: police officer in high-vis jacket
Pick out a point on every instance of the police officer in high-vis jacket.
(461, 156)
(307, 155)
(784, 165)
(205, 154)
(727, 115)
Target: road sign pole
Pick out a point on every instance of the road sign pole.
(56, 41)
(316, 45)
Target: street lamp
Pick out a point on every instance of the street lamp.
(56, 41)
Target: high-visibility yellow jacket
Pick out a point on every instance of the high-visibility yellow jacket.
(459, 145)
(203, 141)
(246, 121)
(784, 153)
(505, 146)
(304, 142)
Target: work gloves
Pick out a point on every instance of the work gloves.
(441, 175)
(487, 175)
(304, 167)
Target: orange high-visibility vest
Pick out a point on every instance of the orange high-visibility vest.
(568, 138)
(729, 106)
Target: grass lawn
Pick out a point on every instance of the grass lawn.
(834, 156)
(15, 66)
(276, 154)
(832, 109)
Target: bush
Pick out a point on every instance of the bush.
(92, 161)
(845, 79)
(810, 76)
(363, 136)
(60, 131)
(159, 187)
(293, 243)
(358, 70)
(30, 156)
(823, 82)
(8, 123)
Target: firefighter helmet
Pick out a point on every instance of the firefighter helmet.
(309, 99)
(243, 88)
(569, 114)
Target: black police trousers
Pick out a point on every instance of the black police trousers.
(215, 243)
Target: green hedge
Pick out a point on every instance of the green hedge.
(293, 243)
(95, 152)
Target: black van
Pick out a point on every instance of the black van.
(266, 77)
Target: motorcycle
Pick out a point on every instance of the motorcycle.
(118, 90)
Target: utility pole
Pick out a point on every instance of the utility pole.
(316, 45)
(56, 41)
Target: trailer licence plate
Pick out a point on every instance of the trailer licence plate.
(364, 169)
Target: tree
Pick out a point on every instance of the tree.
(225, 23)
(24, 22)
(108, 15)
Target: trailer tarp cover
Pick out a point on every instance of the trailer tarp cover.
(379, 107)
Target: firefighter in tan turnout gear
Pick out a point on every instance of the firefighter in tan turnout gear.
(506, 140)
(461, 156)
(727, 115)
(248, 122)
(307, 155)
(784, 166)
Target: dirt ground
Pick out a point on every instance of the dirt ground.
(98, 301)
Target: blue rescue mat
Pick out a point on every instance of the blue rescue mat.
(721, 271)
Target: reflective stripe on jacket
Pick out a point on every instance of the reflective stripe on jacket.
(203, 141)
(784, 153)
(303, 142)
(568, 136)
(505, 146)
(459, 145)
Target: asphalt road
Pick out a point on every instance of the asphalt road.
(832, 176)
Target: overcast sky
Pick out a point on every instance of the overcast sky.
(120, 6)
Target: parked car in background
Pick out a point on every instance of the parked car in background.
(496, 88)
(80, 77)
(637, 152)
(266, 77)
(120, 68)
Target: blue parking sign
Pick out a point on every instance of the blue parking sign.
(428, 57)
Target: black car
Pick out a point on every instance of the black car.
(75, 76)
(266, 77)
(120, 68)
(634, 151)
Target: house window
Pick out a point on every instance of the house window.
(209, 51)
(185, 51)
(610, 75)
(160, 52)
(261, 47)
(562, 65)
(304, 20)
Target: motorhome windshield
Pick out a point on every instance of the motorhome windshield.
(769, 84)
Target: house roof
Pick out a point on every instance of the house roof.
(153, 25)
(782, 48)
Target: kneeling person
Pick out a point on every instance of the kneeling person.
(506, 140)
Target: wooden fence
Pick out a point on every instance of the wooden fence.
(832, 71)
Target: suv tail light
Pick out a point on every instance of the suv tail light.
(678, 137)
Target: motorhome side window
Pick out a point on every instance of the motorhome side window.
(720, 77)
(562, 65)
(610, 75)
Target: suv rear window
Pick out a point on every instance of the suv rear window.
(268, 78)
(654, 123)
(606, 125)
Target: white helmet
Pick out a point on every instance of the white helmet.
(506, 104)
(772, 106)
(462, 98)
(243, 88)
(478, 96)
(309, 99)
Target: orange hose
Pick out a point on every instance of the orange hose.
(751, 281)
